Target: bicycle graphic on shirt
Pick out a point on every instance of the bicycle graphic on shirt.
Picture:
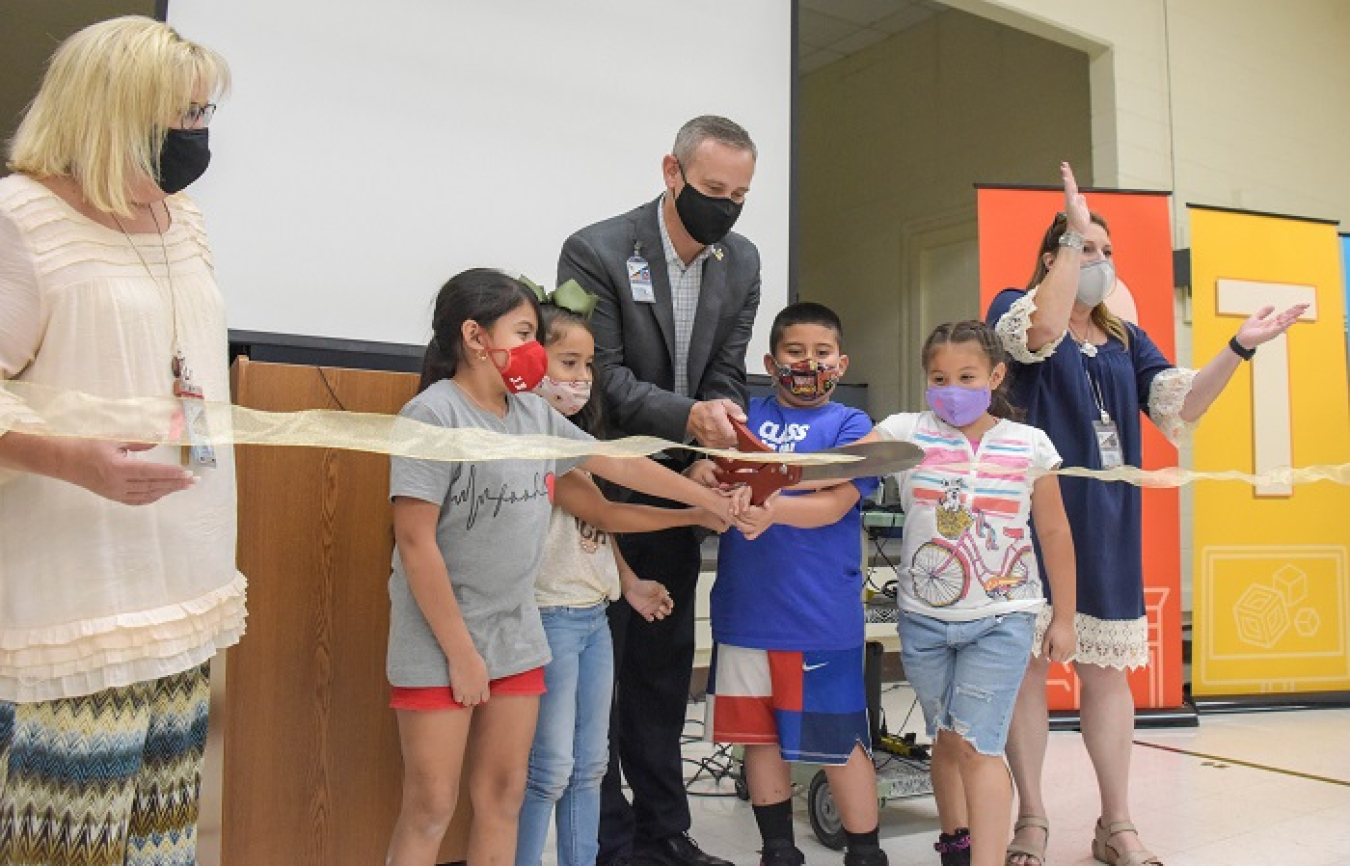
(941, 570)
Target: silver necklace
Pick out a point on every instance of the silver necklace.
(178, 363)
(1086, 346)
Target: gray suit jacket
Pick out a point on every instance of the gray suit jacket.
(635, 342)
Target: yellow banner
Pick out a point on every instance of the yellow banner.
(1272, 560)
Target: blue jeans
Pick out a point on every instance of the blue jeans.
(966, 674)
(571, 743)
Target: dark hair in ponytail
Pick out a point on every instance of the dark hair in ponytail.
(554, 322)
(975, 331)
(481, 295)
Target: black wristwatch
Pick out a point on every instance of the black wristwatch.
(1244, 354)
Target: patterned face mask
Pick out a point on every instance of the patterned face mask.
(567, 397)
(807, 380)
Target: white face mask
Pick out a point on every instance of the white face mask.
(567, 397)
(1096, 280)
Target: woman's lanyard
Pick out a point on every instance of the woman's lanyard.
(1106, 431)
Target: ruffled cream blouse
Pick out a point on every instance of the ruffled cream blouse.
(95, 594)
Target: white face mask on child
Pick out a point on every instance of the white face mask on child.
(567, 397)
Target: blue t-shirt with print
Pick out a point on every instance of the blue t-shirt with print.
(795, 589)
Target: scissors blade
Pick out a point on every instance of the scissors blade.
(878, 458)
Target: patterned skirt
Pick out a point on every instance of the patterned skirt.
(108, 779)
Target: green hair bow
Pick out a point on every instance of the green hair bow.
(569, 296)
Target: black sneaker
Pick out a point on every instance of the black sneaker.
(781, 854)
(867, 857)
(954, 848)
(678, 850)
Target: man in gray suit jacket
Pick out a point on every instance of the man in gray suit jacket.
(677, 300)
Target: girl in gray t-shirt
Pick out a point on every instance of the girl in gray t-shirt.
(469, 538)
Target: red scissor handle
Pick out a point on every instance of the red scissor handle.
(764, 479)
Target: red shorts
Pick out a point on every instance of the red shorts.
(529, 682)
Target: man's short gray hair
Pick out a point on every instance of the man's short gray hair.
(710, 126)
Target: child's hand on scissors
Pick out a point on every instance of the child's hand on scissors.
(710, 520)
(754, 519)
(703, 472)
(740, 498)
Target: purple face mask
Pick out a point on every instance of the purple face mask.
(956, 405)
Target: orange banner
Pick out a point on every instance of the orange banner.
(1012, 222)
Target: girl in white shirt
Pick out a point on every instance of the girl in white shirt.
(970, 582)
(581, 574)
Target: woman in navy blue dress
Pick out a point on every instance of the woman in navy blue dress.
(1083, 375)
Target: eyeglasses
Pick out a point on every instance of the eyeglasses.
(198, 114)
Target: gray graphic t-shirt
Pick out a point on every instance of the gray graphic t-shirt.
(494, 517)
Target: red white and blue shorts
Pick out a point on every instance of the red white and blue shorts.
(811, 703)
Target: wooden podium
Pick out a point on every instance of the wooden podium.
(312, 770)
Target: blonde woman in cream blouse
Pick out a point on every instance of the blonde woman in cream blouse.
(117, 574)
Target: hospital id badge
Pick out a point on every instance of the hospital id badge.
(1108, 444)
(640, 280)
(198, 453)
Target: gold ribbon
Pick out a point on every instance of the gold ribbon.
(54, 412)
(40, 410)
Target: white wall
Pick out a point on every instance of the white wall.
(1235, 103)
(1259, 94)
(892, 141)
(370, 151)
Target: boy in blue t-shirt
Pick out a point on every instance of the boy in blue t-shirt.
(787, 671)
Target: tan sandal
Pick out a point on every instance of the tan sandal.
(1104, 851)
(1021, 849)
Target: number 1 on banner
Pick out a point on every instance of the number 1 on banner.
(1271, 422)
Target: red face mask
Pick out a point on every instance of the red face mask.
(522, 367)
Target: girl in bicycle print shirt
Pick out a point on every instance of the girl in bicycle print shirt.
(970, 585)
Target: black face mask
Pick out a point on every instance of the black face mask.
(183, 159)
(707, 219)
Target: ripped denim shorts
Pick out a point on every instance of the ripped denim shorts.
(966, 674)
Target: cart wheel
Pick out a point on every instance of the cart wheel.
(741, 790)
(825, 818)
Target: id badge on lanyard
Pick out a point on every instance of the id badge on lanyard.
(190, 417)
(1108, 442)
(640, 280)
(1104, 429)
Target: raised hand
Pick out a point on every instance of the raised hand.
(1264, 326)
(1076, 212)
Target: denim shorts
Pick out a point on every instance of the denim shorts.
(966, 674)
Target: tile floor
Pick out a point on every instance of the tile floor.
(1268, 788)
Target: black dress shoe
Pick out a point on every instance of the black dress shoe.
(677, 851)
